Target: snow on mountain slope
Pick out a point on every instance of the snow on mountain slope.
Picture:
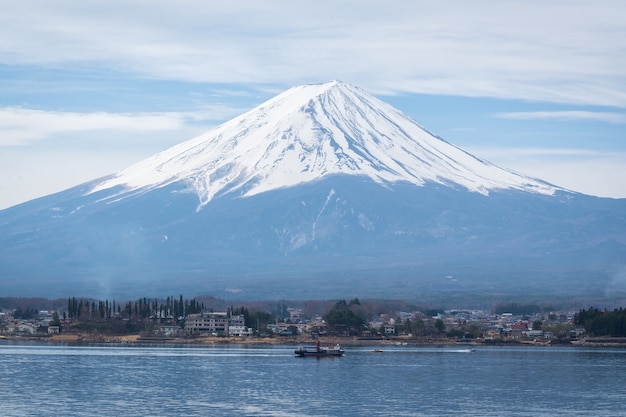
(311, 131)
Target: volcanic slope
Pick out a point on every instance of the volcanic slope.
(308, 133)
(322, 191)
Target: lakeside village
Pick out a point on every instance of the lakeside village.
(350, 323)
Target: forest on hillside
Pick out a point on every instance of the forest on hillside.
(602, 322)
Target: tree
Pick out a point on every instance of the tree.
(281, 311)
(258, 320)
(342, 317)
(418, 326)
(25, 313)
(55, 320)
(407, 327)
(603, 323)
(473, 332)
(440, 326)
(456, 333)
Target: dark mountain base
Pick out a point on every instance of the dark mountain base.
(338, 237)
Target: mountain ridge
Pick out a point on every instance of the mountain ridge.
(311, 131)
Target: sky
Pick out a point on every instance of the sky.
(88, 88)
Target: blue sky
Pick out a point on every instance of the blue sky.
(88, 88)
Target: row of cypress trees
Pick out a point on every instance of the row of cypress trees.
(142, 308)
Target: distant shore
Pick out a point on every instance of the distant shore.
(87, 338)
(136, 339)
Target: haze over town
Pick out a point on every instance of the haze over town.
(90, 89)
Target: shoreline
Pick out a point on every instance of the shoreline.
(136, 339)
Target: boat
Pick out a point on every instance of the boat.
(319, 350)
(377, 350)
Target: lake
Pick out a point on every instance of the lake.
(123, 380)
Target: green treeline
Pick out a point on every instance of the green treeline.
(255, 320)
(110, 316)
(519, 309)
(144, 308)
(602, 322)
(26, 313)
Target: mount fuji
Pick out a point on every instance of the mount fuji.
(322, 191)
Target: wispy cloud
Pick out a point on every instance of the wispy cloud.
(558, 51)
(20, 126)
(569, 115)
(501, 153)
(587, 171)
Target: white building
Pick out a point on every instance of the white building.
(218, 323)
(25, 328)
(239, 331)
(390, 329)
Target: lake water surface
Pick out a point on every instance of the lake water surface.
(47, 380)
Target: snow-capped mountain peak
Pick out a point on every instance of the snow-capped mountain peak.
(311, 131)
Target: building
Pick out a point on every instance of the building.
(533, 334)
(169, 330)
(22, 327)
(577, 332)
(214, 323)
(239, 331)
(390, 329)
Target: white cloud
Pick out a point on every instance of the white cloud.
(601, 177)
(570, 115)
(587, 171)
(561, 51)
(28, 173)
(20, 126)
